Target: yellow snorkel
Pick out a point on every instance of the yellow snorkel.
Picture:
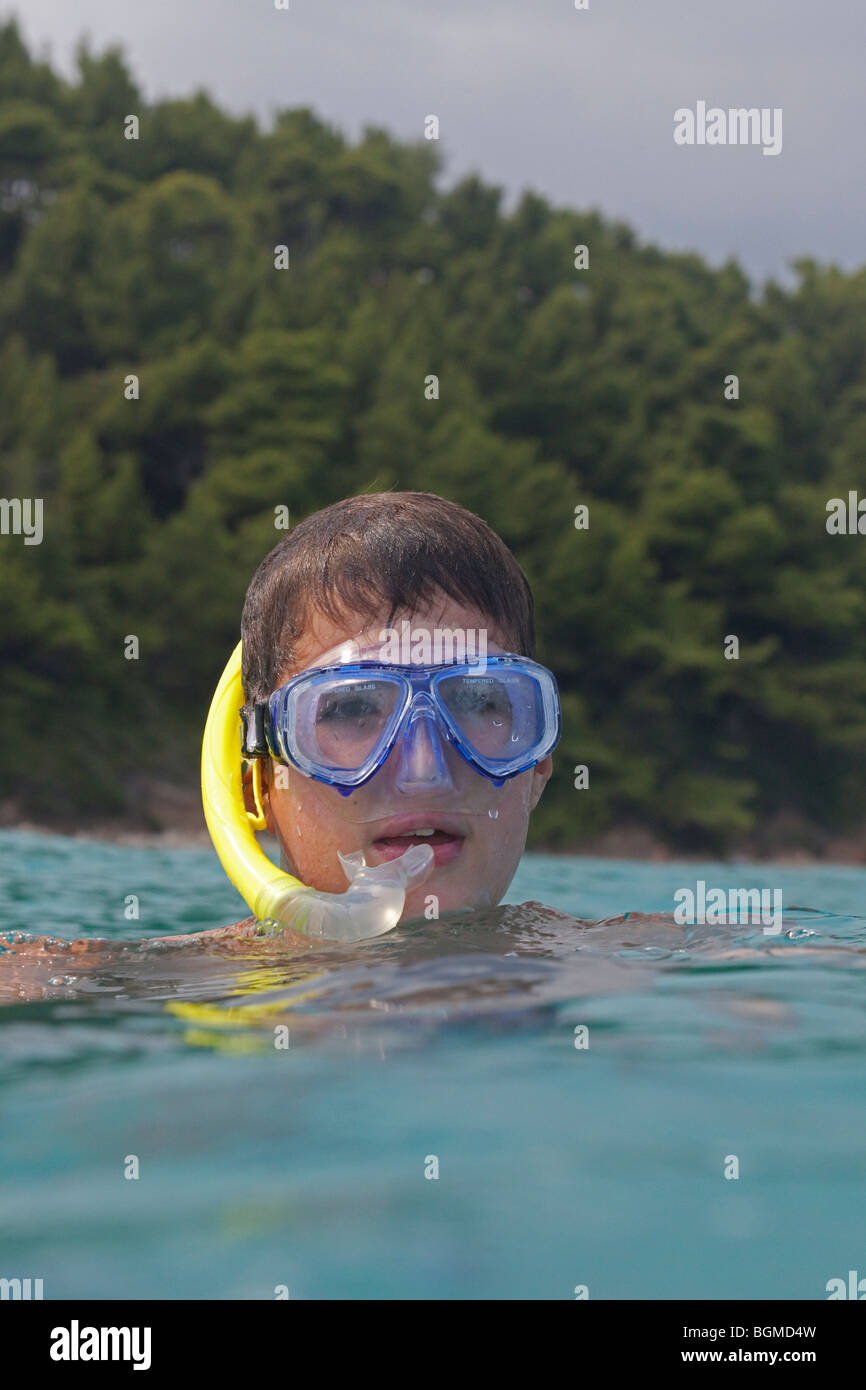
(374, 900)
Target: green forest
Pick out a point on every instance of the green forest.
(602, 386)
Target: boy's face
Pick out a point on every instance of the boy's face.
(475, 864)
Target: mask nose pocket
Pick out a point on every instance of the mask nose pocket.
(421, 765)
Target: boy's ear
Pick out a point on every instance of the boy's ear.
(541, 775)
(267, 783)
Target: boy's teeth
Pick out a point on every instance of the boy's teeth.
(406, 833)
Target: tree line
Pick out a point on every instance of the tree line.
(608, 387)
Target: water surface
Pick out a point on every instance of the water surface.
(283, 1109)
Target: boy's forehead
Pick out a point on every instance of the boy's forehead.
(324, 641)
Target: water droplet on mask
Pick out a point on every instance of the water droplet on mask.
(494, 815)
(515, 738)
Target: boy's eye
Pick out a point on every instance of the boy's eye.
(348, 706)
(472, 696)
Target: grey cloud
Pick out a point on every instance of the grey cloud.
(576, 105)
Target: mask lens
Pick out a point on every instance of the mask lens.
(342, 722)
(498, 715)
(482, 710)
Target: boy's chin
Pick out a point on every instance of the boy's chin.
(428, 902)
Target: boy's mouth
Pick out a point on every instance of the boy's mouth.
(443, 835)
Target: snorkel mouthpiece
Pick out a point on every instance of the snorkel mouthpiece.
(371, 906)
(375, 898)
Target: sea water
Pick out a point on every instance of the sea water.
(505, 1104)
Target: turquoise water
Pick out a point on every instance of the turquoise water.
(304, 1166)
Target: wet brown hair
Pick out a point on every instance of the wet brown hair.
(381, 550)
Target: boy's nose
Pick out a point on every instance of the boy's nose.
(421, 765)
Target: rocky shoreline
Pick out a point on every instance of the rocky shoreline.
(172, 818)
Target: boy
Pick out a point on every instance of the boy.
(400, 579)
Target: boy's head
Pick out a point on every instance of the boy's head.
(338, 581)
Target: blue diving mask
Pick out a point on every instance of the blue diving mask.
(385, 735)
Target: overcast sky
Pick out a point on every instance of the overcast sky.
(577, 105)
